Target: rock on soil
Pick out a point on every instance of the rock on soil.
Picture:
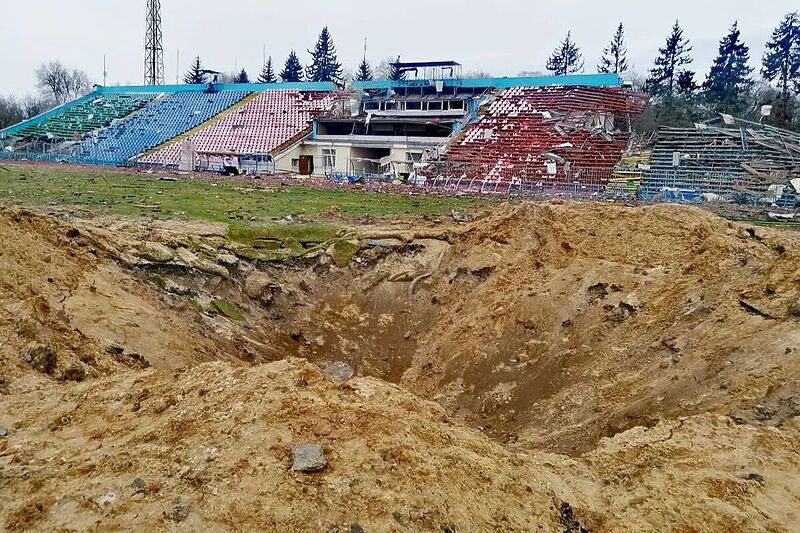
(339, 371)
(155, 252)
(227, 260)
(308, 458)
(74, 373)
(258, 286)
(179, 512)
(41, 357)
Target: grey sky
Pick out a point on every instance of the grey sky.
(502, 37)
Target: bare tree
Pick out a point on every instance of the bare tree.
(35, 105)
(477, 74)
(11, 111)
(50, 79)
(77, 84)
(384, 69)
(60, 84)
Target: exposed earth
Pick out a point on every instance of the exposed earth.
(523, 367)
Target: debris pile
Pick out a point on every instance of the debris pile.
(730, 158)
(553, 136)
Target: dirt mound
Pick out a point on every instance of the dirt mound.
(626, 369)
(210, 448)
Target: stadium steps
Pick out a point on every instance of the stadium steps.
(185, 135)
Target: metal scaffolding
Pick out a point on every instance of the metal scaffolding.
(154, 45)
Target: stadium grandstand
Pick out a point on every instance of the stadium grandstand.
(546, 138)
(143, 125)
(384, 129)
(260, 126)
(546, 135)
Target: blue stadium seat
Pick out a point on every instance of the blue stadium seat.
(156, 124)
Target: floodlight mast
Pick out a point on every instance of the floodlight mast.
(154, 45)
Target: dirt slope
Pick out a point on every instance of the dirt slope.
(211, 448)
(60, 291)
(559, 324)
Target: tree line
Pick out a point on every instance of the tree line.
(57, 84)
(324, 66)
(679, 99)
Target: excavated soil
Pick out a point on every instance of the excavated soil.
(553, 367)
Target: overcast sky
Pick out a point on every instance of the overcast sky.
(502, 37)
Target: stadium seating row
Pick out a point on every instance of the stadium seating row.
(264, 123)
(546, 133)
(154, 125)
(87, 116)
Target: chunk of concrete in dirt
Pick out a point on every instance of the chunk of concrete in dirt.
(186, 257)
(40, 357)
(258, 286)
(3, 432)
(212, 269)
(155, 252)
(106, 500)
(138, 485)
(308, 458)
(179, 512)
(228, 260)
(339, 371)
(631, 303)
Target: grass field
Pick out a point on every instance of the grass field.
(238, 203)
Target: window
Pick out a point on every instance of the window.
(329, 157)
(434, 106)
(371, 106)
(295, 163)
(413, 106)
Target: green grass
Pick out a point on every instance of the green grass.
(305, 233)
(240, 203)
(227, 308)
(782, 224)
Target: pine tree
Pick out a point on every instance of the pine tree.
(729, 81)
(324, 65)
(566, 59)
(395, 74)
(364, 68)
(195, 73)
(267, 73)
(615, 55)
(670, 63)
(685, 84)
(242, 77)
(781, 60)
(364, 71)
(292, 70)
